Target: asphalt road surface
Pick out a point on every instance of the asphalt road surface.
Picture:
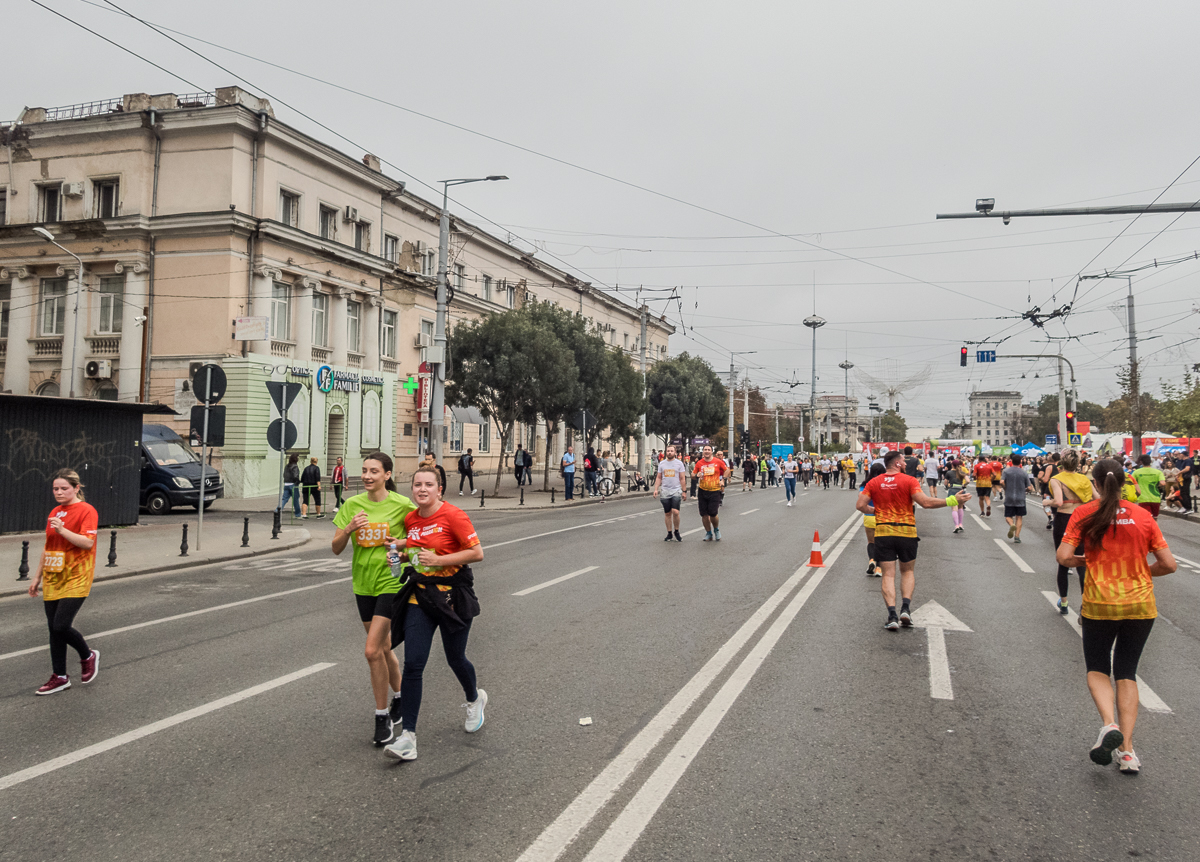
(742, 706)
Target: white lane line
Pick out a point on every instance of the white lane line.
(784, 500)
(1146, 695)
(1021, 564)
(689, 532)
(624, 832)
(979, 521)
(143, 625)
(1190, 563)
(32, 772)
(559, 835)
(563, 530)
(554, 581)
(749, 511)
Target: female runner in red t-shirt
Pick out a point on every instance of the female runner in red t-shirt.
(440, 541)
(64, 577)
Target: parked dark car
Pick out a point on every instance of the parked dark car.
(171, 473)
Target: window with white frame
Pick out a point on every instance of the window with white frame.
(510, 297)
(54, 306)
(281, 311)
(460, 276)
(501, 291)
(391, 248)
(5, 300)
(112, 302)
(106, 198)
(3, 206)
(353, 321)
(388, 346)
(362, 236)
(427, 330)
(320, 320)
(485, 436)
(429, 263)
(626, 336)
(487, 287)
(328, 222)
(456, 435)
(50, 202)
(289, 208)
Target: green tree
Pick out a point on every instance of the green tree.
(506, 365)
(686, 398)
(895, 429)
(1180, 407)
(618, 398)
(953, 430)
(1126, 414)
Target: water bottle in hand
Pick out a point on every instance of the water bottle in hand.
(395, 561)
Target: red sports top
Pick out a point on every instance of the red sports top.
(446, 531)
(67, 570)
(1118, 585)
(892, 495)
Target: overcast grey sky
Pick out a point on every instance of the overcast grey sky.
(848, 125)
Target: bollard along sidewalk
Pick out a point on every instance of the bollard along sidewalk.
(154, 546)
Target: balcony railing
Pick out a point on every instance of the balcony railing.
(321, 354)
(387, 365)
(84, 109)
(104, 345)
(47, 348)
(282, 349)
(354, 360)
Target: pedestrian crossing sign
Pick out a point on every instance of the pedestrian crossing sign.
(1074, 439)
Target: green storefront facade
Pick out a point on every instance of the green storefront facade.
(339, 411)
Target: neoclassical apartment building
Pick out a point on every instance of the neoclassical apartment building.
(190, 212)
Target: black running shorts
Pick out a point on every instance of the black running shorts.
(709, 502)
(888, 549)
(375, 606)
(670, 503)
(1014, 511)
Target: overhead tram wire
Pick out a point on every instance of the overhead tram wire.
(645, 189)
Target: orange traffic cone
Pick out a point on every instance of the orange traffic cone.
(814, 559)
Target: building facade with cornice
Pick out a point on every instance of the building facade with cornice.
(190, 212)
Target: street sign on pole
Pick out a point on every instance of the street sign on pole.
(209, 387)
(283, 394)
(1074, 439)
(277, 438)
(209, 384)
(1051, 439)
(281, 431)
(985, 356)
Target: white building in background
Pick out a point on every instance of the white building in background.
(997, 417)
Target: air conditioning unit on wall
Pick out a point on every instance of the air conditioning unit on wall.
(351, 214)
(72, 190)
(98, 369)
(423, 339)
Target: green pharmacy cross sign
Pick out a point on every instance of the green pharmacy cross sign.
(411, 385)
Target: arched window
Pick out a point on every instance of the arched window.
(49, 388)
(105, 391)
(370, 420)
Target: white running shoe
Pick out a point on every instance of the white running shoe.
(475, 712)
(1109, 740)
(789, 502)
(1128, 762)
(404, 748)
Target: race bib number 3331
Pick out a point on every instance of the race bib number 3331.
(372, 535)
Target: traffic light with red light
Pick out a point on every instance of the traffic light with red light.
(1070, 421)
(962, 358)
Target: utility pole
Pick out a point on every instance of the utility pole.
(732, 384)
(1134, 386)
(746, 414)
(776, 423)
(641, 461)
(1063, 439)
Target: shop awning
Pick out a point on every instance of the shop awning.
(468, 415)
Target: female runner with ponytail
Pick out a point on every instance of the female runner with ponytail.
(374, 519)
(1118, 603)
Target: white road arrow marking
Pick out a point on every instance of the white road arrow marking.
(936, 620)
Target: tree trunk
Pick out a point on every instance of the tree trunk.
(506, 432)
(551, 429)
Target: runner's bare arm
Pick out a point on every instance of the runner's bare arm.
(926, 502)
(341, 536)
(864, 503)
(76, 539)
(1164, 563)
(473, 554)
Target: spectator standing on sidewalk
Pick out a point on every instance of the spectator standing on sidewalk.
(591, 467)
(466, 471)
(567, 468)
(310, 483)
(431, 463)
(519, 464)
(291, 484)
(64, 577)
(338, 484)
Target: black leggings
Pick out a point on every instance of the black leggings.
(1123, 640)
(418, 639)
(60, 613)
(1064, 574)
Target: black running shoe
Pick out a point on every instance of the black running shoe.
(678, 537)
(892, 624)
(395, 713)
(870, 567)
(906, 618)
(383, 730)
(668, 538)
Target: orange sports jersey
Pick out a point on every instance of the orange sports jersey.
(997, 468)
(891, 494)
(710, 473)
(446, 531)
(1118, 585)
(67, 570)
(983, 474)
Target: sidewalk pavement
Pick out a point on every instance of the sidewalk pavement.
(155, 547)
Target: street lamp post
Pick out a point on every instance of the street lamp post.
(732, 383)
(814, 323)
(49, 237)
(437, 381)
(846, 366)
